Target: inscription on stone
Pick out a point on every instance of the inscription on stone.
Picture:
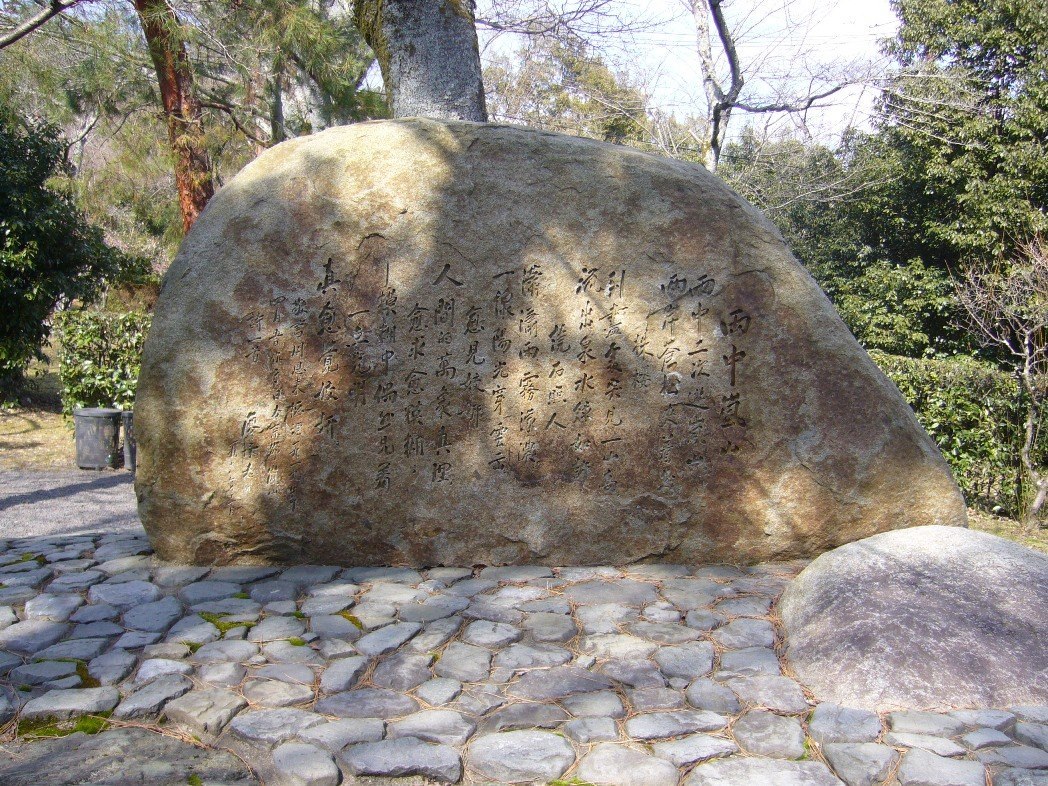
(397, 343)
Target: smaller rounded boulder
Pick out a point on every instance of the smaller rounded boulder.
(923, 618)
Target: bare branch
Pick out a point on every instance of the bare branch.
(42, 17)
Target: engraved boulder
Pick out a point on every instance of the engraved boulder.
(422, 342)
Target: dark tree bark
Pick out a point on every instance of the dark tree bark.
(185, 129)
(429, 56)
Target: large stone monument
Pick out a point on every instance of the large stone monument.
(420, 342)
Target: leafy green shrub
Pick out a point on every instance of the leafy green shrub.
(99, 356)
(973, 412)
(49, 253)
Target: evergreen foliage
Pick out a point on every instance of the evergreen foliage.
(49, 253)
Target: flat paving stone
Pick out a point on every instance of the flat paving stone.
(431, 609)
(305, 765)
(921, 768)
(1021, 777)
(39, 673)
(443, 726)
(662, 725)
(156, 616)
(617, 765)
(207, 710)
(693, 748)
(527, 715)
(861, 763)
(984, 738)
(388, 638)
(463, 662)
(439, 691)
(520, 756)
(404, 757)
(1032, 713)
(990, 719)
(617, 645)
(367, 703)
(336, 735)
(77, 649)
(556, 683)
(403, 671)
(31, 636)
(745, 632)
(774, 693)
(273, 726)
(203, 591)
(706, 694)
(916, 722)
(111, 667)
(71, 703)
(57, 608)
(767, 734)
(149, 700)
(1024, 756)
(225, 650)
(550, 627)
(624, 592)
(1032, 734)
(938, 745)
(687, 661)
(589, 730)
(119, 756)
(605, 617)
(276, 693)
(528, 656)
(745, 771)
(749, 662)
(600, 704)
(343, 674)
(490, 634)
(125, 594)
(833, 723)
(634, 673)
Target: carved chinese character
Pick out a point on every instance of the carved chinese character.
(418, 319)
(529, 283)
(473, 321)
(441, 472)
(500, 305)
(329, 281)
(732, 360)
(739, 323)
(557, 341)
(587, 280)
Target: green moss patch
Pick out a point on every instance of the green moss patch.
(52, 727)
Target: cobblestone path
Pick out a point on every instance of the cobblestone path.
(649, 675)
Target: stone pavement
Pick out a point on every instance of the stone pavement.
(649, 675)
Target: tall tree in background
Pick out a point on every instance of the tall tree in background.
(429, 56)
(185, 129)
(971, 107)
(717, 42)
(1007, 307)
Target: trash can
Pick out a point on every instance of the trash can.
(97, 437)
(128, 417)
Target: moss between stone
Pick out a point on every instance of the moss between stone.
(53, 727)
(242, 596)
(194, 780)
(193, 645)
(223, 625)
(351, 618)
(296, 641)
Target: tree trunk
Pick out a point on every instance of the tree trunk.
(429, 56)
(184, 126)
